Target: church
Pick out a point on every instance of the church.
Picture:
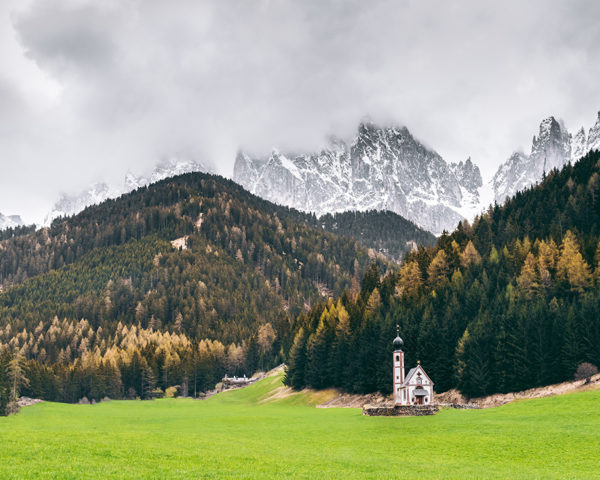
(416, 388)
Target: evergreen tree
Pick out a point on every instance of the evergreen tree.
(16, 376)
(437, 272)
(295, 370)
(572, 267)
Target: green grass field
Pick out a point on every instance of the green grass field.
(234, 435)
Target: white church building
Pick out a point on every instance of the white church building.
(416, 388)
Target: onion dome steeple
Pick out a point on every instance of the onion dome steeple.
(398, 342)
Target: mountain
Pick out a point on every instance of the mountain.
(68, 205)
(382, 168)
(386, 168)
(10, 221)
(553, 147)
(593, 140)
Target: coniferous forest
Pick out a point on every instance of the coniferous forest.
(175, 284)
(179, 283)
(508, 303)
(386, 232)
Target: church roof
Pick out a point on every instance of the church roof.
(410, 373)
(413, 371)
(420, 392)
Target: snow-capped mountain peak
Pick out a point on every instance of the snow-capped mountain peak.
(550, 149)
(553, 147)
(380, 168)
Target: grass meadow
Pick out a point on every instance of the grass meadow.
(238, 435)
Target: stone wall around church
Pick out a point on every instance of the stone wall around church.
(400, 410)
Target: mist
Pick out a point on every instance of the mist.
(90, 90)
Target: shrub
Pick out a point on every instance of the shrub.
(170, 392)
(585, 370)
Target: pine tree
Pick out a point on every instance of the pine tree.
(318, 349)
(470, 256)
(437, 272)
(339, 369)
(409, 280)
(547, 258)
(571, 265)
(570, 353)
(17, 376)
(528, 281)
(295, 369)
(5, 387)
(179, 323)
(370, 281)
(148, 382)
(374, 303)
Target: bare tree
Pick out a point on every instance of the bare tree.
(585, 371)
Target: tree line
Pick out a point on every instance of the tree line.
(66, 361)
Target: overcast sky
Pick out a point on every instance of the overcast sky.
(90, 89)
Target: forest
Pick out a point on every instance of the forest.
(385, 231)
(192, 272)
(508, 303)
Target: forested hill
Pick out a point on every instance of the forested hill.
(25, 252)
(158, 275)
(216, 222)
(509, 303)
(386, 232)
(166, 208)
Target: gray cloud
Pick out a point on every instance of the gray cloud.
(118, 85)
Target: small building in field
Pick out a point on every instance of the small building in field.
(414, 388)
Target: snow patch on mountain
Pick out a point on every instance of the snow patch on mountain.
(10, 221)
(578, 145)
(593, 140)
(68, 205)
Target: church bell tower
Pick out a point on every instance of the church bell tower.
(398, 362)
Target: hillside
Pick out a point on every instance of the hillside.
(386, 232)
(286, 438)
(507, 304)
(173, 284)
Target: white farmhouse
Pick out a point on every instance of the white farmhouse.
(416, 388)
